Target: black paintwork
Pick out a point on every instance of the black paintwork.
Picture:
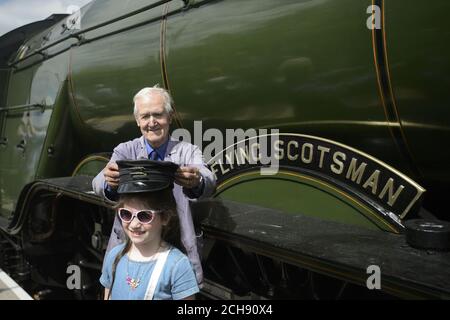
(326, 246)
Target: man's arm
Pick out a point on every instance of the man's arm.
(108, 179)
(195, 177)
(98, 184)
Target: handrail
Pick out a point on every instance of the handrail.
(83, 41)
(24, 107)
(79, 33)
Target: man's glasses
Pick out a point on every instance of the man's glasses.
(143, 216)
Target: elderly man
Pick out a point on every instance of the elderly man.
(153, 113)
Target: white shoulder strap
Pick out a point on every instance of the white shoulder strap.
(160, 262)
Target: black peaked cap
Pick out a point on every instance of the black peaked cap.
(136, 176)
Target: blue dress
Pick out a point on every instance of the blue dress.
(177, 280)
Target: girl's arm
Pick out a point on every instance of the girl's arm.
(106, 297)
(190, 297)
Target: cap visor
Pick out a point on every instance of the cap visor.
(142, 186)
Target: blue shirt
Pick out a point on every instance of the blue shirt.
(161, 151)
(177, 280)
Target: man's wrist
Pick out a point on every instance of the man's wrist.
(110, 193)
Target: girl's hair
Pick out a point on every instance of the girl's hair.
(158, 200)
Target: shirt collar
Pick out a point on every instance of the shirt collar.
(161, 151)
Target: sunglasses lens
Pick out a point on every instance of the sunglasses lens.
(125, 215)
(145, 216)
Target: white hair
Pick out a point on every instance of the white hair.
(149, 92)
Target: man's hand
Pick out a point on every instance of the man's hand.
(111, 174)
(188, 177)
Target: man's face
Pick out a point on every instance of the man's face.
(153, 119)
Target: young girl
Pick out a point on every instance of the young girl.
(146, 266)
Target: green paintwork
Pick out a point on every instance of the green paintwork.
(304, 66)
(300, 66)
(300, 195)
(13, 171)
(4, 76)
(419, 51)
(105, 76)
(91, 167)
(20, 166)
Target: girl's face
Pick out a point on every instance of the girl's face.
(138, 232)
